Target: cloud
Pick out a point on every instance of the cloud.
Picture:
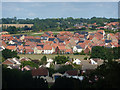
(60, 0)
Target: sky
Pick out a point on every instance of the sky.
(59, 0)
(59, 9)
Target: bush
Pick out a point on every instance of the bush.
(85, 58)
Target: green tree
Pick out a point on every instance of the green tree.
(65, 68)
(105, 76)
(44, 60)
(30, 63)
(65, 82)
(6, 53)
(61, 59)
(14, 78)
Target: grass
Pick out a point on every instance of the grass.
(54, 32)
(39, 56)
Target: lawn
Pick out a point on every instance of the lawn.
(39, 56)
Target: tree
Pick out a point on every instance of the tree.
(6, 53)
(44, 60)
(65, 68)
(105, 76)
(102, 52)
(14, 78)
(61, 59)
(65, 82)
(30, 63)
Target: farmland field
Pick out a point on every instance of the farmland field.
(39, 56)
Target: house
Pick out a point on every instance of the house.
(4, 32)
(47, 49)
(24, 59)
(5, 37)
(22, 37)
(77, 48)
(40, 72)
(11, 42)
(44, 38)
(28, 50)
(107, 41)
(68, 51)
(12, 61)
(4, 44)
(77, 61)
(49, 60)
(27, 68)
(93, 62)
(13, 48)
(56, 75)
(71, 73)
(88, 49)
(38, 50)
(51, 39)
(13, 67)
(20, 49)
(60, 49)
(101, 32)
(72, 43)
(8, 62)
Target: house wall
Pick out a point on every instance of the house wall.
(48, 51)
(76, 50)
(36, 51)
(79, 50)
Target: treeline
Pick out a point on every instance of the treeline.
(52, 24)
(14, 30)
(105, 53)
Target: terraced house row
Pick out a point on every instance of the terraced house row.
(63, 43)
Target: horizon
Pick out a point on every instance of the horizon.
(44, 10)
(56, 18)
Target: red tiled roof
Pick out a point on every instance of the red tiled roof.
(11, 47)
(55, 45)
(61, 47)
(27, 47)
(6, 35)
(113, 23)
(29, 50)
(29, 37)
(100, 31)
(3, 43)
(47, 47)
(91, 37)
(39, 47)
(68, 50)
(20, 47)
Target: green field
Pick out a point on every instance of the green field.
(39, 56)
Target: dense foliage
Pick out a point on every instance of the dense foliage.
(61, 59)
(54, 24)
(105, 53)
(65, 68)
(43, 60)
(6, 53)
(64, 82)
(13, 78)
(105, 76)
(30, 63)
(14, 30)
